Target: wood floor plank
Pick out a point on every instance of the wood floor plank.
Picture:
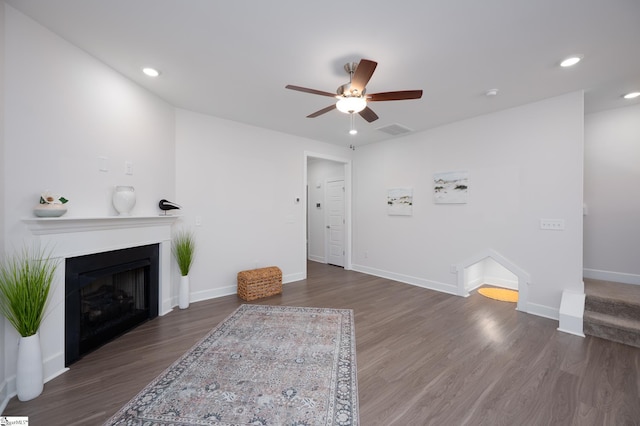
(423, 357)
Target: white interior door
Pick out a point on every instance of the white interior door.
(335, 221)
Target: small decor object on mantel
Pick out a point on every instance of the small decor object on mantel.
(183, 250)
(25, 282)
(124, 198)
(166, 205)
(50, 205)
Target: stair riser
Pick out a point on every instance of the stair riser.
(627, 337)
(616, 308)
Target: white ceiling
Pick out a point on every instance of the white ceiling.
(232, 59)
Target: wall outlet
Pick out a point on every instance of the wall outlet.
(128, 168)
(552, 224)
(453, 269)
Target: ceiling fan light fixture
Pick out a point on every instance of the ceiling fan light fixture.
(351, 104)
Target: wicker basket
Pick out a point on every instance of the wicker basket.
(258, 283)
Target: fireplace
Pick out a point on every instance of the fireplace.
(107, 294)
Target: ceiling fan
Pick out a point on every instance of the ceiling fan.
(352, 96)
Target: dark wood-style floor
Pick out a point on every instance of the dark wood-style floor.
(424, 358)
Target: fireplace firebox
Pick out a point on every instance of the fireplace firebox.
(107, 294)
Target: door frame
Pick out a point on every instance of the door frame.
(346, 162)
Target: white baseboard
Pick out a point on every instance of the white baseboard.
(543, 311)
(618, 277)
(502, 282)
(214, 293)
(294, 277)
(319, 259)
(53, 366)
(4, 397)
(474, 284)
(233, 289)
(419, 282)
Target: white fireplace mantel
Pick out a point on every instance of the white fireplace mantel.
(62, 225)
(66, 237)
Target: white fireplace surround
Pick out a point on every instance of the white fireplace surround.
(71, 237)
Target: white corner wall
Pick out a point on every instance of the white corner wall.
(524, 164)
(237, 185)
(63, 110)
(611, 182)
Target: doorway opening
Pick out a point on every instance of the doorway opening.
(328, 210)
(491, 268)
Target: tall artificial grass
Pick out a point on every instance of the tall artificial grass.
(183, 250)
(25, 281)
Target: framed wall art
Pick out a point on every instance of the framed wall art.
(400, 201)
(450, 187)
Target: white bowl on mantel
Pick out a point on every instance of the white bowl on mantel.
(49, 210)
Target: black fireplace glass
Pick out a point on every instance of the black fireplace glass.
(108, 294)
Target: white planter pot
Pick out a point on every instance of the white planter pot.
(30, 376)
(124, 198)
(183, 295)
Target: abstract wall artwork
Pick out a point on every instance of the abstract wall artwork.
(450, 187)
(400, 201)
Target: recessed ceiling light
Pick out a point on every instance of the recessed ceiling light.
(571, 61)
(353, 132)
(491, 92)
(151, 72)
(631, 95)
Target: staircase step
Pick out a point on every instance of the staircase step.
(615, 328)
(612, 306)
(609, 290)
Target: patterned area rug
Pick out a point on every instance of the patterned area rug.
(263, 365)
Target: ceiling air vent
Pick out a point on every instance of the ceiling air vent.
(394, 129)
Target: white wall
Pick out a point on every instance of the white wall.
(524, 164)
(3, 387)
(611, 182)
(318, 171)
(64, 109)
(240, 183)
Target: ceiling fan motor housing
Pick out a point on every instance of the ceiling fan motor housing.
(345, 90)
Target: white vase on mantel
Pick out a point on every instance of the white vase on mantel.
(29, 375)
(183, 292)
(124, 198)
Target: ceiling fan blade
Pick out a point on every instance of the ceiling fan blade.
(312, 91)
(395, 96)
(322, 111)
(368, 114)
(363, 74)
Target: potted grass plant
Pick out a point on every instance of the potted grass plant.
(25, 282)
(183, 250)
